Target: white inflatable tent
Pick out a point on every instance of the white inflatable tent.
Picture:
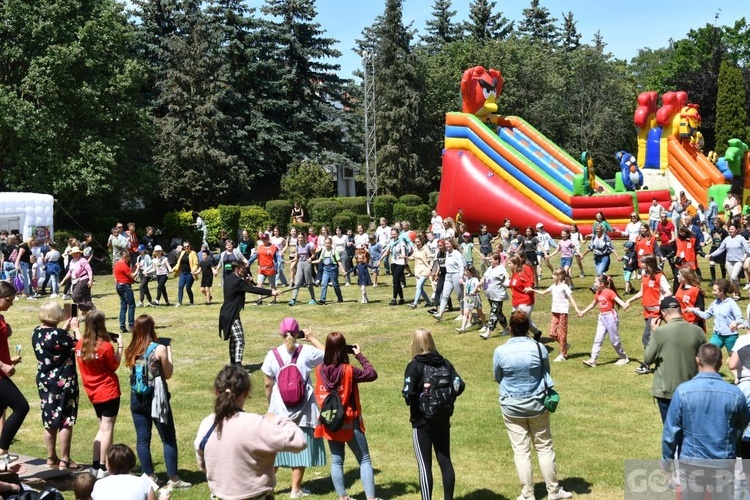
(29, 213)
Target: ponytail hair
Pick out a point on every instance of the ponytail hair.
(231, 384)
(610, 283)
(290, 342)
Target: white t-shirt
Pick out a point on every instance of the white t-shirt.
(121, 487)
(383, 235)
(494, 279)
(361, 240)
(654, 212)
(743, 352)
(436, 225)
(339, 244)
(309, 358)
(560, 293)
(632, 230)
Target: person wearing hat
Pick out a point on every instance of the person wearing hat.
(162, 269)
(82, 279)
(672, 348)
(236, 285)
(144, 267)
(305, 414)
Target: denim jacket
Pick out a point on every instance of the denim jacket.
(705, 419)
(518, 370)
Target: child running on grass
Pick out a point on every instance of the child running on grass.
(562, 297)
(362, 263)
(609, 323)
(472, 300)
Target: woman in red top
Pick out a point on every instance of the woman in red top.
(654, 287)
(689, 294)
(685, 252)
(267, 256)
(645, 243)
(522, 286)
(10, 396)
(337, 374)
(98, 362)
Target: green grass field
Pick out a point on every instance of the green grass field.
(606, 415)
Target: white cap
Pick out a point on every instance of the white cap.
(539, 224)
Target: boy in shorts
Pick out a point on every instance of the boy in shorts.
(629, 264)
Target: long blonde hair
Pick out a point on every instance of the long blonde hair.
(422, 342)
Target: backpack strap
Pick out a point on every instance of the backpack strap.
(278, 356)
(295, 356)
(202, 446)
(150, 349)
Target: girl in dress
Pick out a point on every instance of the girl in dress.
(362, 258)
(472, 300)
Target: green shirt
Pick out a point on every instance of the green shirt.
(673, 348)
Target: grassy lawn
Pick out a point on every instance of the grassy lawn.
(606, 415)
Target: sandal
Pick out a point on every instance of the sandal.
(53, 462)
(69, 464)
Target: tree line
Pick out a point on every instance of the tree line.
(190, 104)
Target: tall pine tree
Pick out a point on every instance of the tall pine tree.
(571, 38)
(484, 24)
(731, 117)
(440, 29)
(538, 24)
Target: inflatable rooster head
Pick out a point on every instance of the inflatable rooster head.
(480, 89)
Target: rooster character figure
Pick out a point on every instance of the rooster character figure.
(632, 177)
(480, 89)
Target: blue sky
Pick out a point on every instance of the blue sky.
(625, 26)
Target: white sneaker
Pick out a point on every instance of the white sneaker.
(590, 362)
(180, 484)
(458, 318)
(747, 287)
(619, 362)
(66, 297)
(53, 296)
(155, 303)
(559, 358)
(483, 329)
(486, 335)
(139, 304)
(299, 494)
(101, 473)
(561, 493)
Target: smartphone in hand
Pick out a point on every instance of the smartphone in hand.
(350, 349)
(71, 311)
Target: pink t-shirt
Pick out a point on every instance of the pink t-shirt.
(566, 248)
(606, 300)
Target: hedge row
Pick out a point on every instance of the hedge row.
(346, 213)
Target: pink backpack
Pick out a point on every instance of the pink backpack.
(292, 387)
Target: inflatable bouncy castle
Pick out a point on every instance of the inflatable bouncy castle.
(498, 166)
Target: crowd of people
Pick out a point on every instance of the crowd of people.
(452, 268)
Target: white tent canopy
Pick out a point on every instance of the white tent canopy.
(30, 213)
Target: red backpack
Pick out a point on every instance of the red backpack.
(292, 387)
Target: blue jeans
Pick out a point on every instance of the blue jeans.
(601, 262)
(358, 445)
(186, 284)
(26, 277)
(421, 291)
(10, 270)
(140, 407)
(330, 274)
(127, 303)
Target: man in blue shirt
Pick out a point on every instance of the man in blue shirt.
(705, 420)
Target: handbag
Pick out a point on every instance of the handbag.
(551, 397)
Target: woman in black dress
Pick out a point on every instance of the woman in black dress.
(57, 382)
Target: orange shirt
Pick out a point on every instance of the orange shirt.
(650, 286)
(686, 251)
(606, 300)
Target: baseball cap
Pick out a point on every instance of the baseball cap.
(141, 248)
(628, 245)
(158, 248)
(669, 303)
(289, 325)
(539, 224)
(467, 234)
(264, 236)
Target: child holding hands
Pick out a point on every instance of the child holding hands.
(562, 297)
(607, 298)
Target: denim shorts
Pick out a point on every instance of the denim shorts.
(566, 262)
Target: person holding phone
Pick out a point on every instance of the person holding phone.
(336, 374)
(305, 414)
(98, 361)
(57, 381)
(159, 365)
(10, 396)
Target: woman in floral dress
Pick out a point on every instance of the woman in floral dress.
(57, 382)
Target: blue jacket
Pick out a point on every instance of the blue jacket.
(705, 419)
(518, 369)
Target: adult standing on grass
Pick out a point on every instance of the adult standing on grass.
(144, 267)
(57, 382)
(431, 429)
(523, 296)
(672, 348)
(495, 283)
(98, 362)
(185, 269)
(736, 248)
(602, 247)
(305, 413)
(395, 251)
(23, 266)
(10, 396)
(330, 271)
(81, 276)
(304, 270)
(454, 271)
(236, 285)
(124, 279)
(705, 421)
(237, 449)
(521, 367)
(336, 374)
(157, 359)
(163, 270)
(727, 316)
(422, 268)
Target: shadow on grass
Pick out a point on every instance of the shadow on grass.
(482, 494)
(252, 368)
(575, 485)
(323, 485)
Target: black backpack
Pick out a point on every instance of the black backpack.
(332, 412)
(438, 392)
(45, 494)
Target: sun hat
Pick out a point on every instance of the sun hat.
(75, 250)
(158, 248)
(539, 224)
(289, 325)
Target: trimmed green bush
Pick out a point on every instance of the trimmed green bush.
(357, 204)
(364, 220)
(212, 218)
(411, 200)
(181, 223)
(229, 216)
(346, 219)
(301, 227)
(422, 217)
(254, 218)
(310, 207)
(62, 236)
(432, 199)
(280, 212)
(382, 206)
(325, 211)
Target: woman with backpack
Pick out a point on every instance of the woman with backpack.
(431, 386)
(150, 364)
(337, 392)
(289, 392)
